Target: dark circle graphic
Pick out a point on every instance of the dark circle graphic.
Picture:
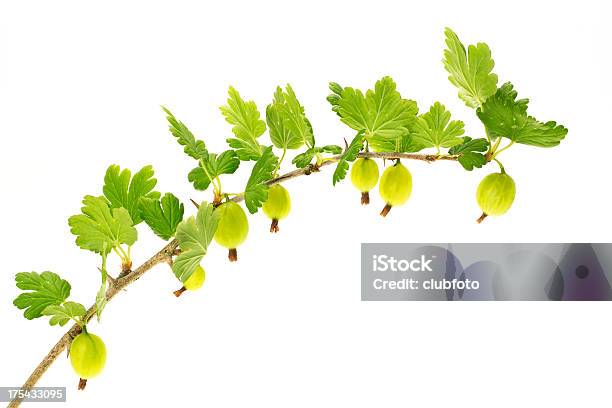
(582, 271)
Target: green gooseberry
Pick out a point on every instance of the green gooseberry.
(277, 206)
(233, 228)
(495, 194)
(395, 186)
(364, 176)
(87, 356)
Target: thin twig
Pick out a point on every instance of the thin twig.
(166, 253)
(311, 168)
(75, 330)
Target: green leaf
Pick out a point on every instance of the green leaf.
(46, 289)
(294, 118)
(101, 300)
(193, 147)
(280, 134)
(471, 71)
(98, 229)
(213, 165)
(333, 149)
(297, 121)
(349, 155)
(122, 190)
(194, 236)
(247, 126)
(163, 216)
(334, 97)
(198, 177)
(225, 163)
(381, 113)
(505, 116)
(469, 160)
(304, 159)
(405, 144)
(210, 165)
(61, 314)
(469, 152)
(435, 129)
(256, 191)
(289, 127)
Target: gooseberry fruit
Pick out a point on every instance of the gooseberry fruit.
(87, 356)
(277, 206)
(364, 176)
(194, 282)
(495, 194)
(233, 228)
(395, 186)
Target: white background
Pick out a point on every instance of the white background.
(80, 88)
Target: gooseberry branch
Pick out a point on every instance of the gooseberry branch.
(387, 126)
(430, 158)
(166, 254)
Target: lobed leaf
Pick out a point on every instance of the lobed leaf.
(213, 165)
(210, 165)
(469, 71)
(44, 289)
(162, 216)
(194, 236)
(122, 190)
(100, 230)
(247, 126)
(296, 119)
(193, 147)
(256, 191)
(280, 134)
(505, 116)
(381, 113)
(289, 127)
(470, 152)
(61, 314)
(435, 129)
(349, 155)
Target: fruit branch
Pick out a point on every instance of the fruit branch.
(166, 254)
(108, 222)
(311, 168)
